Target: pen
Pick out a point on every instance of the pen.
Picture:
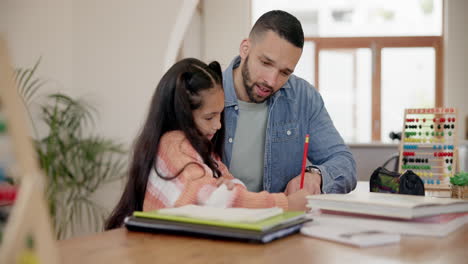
(304, 159)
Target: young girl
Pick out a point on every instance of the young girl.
(177, 156)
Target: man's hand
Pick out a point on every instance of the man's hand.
(297, 201)
(312, 183)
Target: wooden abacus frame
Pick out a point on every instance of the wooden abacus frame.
(423, 142)
(29, 215)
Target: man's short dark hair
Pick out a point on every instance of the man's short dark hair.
(282, 23)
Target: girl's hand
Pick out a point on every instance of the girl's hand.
(229, 184)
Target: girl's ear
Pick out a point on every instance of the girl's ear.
(245, 48)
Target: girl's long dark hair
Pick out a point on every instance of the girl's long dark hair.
(176, 96)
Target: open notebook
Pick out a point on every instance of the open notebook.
(256, 225)
(221, 214)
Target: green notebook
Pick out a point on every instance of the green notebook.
(270, 228)
(262, 225)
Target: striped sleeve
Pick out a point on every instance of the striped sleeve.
(195, 183)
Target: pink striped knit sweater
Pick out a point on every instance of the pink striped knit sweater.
(196, 184)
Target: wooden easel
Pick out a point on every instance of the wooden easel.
(30, 215)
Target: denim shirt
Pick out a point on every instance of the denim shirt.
(295, 110)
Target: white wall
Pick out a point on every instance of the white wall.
(225, 24)
(193, 39)
(108, 51)
(456, 60)
(40, 28)
(371, 156)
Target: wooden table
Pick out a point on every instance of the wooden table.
(122, 246)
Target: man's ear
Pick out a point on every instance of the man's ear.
(245, 48)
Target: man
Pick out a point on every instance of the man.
(268, 112)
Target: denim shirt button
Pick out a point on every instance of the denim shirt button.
(288, 132)
(236, 108)
(230, 140)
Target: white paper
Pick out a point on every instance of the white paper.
(223, 214)
(348, 234)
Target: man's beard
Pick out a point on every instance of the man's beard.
(250, 88)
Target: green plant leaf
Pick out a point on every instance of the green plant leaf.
(32, 89)
(76, 162)
(460, 179)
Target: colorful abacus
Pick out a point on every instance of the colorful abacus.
(429, 145)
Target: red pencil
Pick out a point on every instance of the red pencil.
(304, 159)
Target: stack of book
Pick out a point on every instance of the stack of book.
(379, 218)
(255, 225)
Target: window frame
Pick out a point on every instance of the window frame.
(376, 44)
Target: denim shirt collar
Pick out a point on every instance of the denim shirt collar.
(230, 97)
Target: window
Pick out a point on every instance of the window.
(417, 75)
(373, 58)
(346, 86)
